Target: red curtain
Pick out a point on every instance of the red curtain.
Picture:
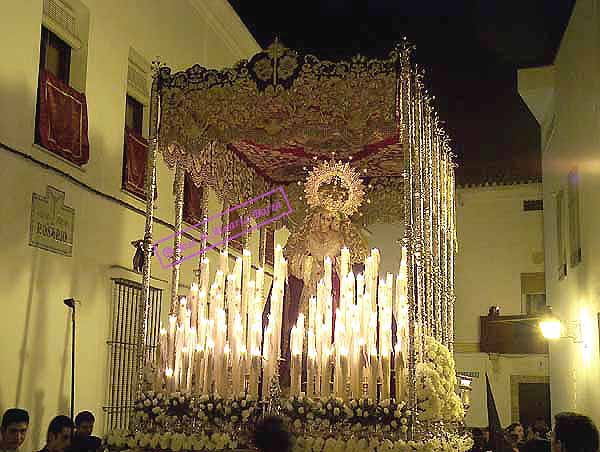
(192, 201)
(63, 124)
(135, 161)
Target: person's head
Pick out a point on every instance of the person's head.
(486, 433)
(14, 428)
(84, 423)
(516, 429)
(540, 428)
(271, 435)
(574, 433)
(59, 435)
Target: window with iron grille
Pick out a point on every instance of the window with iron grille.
(122, 347)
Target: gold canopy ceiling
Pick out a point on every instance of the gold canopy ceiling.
(268, 120)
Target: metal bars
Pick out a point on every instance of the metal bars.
(123, 347)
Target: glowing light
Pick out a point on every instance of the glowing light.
(550, 328)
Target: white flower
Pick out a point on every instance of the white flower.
(394, 424)
(235, 405)
(358, 412)
(147, 402)
(297, 424)
(234, 418)
(243, 403)
(329, 407)
(210, 407)
(366, 414)
(336, 411)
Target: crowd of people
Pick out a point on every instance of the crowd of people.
(572, 433)
(63, 434)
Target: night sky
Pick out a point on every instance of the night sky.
(469, 49)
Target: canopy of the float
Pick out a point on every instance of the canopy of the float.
(266, 121)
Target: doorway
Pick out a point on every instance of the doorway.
(530, 399)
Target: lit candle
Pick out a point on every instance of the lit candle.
(204, 274)
(198, 370)
(169, 378)
(170, 358)
(373, 373)
(399, 372)
(194, 305)
(223, 262)
(385, 373)
(208, 368)
(310, 364)
(344, 372)
(345, 262)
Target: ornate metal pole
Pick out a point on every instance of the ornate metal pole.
(178, 185)
(407, 119)
(144, 305)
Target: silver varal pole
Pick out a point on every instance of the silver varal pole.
(144, 306)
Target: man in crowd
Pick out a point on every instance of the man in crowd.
(13, 429)
(59, 434)
(574, 433)
(83, 441)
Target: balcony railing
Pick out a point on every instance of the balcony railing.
(511, 334)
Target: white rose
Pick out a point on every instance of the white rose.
(234, 418)
(301, 410)
(210, 406)
(297, 424)
(336, 411)
(243, 403)
(147, 402)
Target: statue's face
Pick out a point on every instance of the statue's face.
(326, 221)
(336, 223)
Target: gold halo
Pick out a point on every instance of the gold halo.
(324, 173)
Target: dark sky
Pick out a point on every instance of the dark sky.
(470, 50)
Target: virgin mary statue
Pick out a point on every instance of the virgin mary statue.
(333, 192)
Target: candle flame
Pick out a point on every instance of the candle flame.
(168, 372)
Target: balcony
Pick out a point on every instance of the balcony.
(511, 334)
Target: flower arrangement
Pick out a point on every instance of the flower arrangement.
(240, 410)
(119, 440)
(298, 411)
(393, 415)
(329, 411)
(436, 385)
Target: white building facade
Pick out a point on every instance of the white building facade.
(565, 99)
(111, 45)
(500, 258)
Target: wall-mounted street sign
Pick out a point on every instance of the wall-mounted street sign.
(52, 222)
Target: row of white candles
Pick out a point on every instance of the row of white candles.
(213, 341)
(360, 355)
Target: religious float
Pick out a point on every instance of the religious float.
(352, 359)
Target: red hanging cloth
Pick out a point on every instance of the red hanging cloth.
(63, 122)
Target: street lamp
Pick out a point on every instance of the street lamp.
(552, 328)
(550, 325)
